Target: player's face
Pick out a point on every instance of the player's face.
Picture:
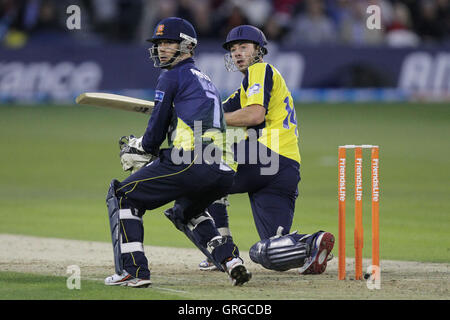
(166, 50)
(243, 54)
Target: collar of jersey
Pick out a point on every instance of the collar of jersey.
(185, 61)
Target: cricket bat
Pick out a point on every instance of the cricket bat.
(115, 101)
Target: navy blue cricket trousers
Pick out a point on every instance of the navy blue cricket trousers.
(272, 197)
(193, 187)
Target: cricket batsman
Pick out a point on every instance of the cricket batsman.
(185, 99)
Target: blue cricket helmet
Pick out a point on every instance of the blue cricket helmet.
(174, 28)
(246, 33)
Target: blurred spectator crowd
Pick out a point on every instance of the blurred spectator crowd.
(287, 22)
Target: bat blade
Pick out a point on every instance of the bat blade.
(115, 101)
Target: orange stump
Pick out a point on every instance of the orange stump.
(359, 237)
(375, 208)
(358, 231)
(341, 196)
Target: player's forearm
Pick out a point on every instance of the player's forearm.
(246, 117)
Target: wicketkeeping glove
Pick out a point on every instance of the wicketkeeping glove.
(132, 155)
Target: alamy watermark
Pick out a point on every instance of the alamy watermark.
(373, 278)
(74, 280)
(374, 19)
(210, 146)
(73, 22)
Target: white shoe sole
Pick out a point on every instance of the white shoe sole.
(133, 282)
(318, 263)
(138, 283)
(210, 268)
(110, 282)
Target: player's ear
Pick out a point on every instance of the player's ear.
(191, 49)
(259, 52)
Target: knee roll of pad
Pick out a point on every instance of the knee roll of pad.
(279, 253)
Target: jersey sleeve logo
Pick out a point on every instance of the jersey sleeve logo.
(160, 30)
(159, 95)
(254, 89)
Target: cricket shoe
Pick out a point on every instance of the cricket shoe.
(321, 250)
(207, 265)
(126, 279)
(237, 272)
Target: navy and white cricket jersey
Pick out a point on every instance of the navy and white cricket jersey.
(183, 96)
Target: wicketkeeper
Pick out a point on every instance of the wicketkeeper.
(185, 99)
(263, 106)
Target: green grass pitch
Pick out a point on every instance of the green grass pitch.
(56, 163)
(14, 286)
